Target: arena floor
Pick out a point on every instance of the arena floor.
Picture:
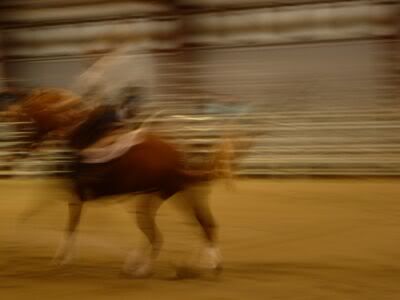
(281, 239)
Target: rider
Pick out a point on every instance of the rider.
(105, 118)
(130, 101)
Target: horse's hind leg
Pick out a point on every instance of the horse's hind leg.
(64, 253)
(197, 201)
(141, 263)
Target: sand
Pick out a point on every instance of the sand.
(280, 239)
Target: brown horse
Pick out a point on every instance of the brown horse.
(153, 167)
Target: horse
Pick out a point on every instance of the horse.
(154, 167)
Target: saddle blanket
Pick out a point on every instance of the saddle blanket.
(107, 153)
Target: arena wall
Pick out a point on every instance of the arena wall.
(318, 78)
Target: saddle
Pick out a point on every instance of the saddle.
(111, 146)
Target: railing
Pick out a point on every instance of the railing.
(364, 142)
(16, 160)
(335, 142)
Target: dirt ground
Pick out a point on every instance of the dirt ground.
(280, 239)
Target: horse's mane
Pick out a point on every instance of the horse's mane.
(51, 98)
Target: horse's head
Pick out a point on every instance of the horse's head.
(12, 111)
(39, 121)
(44, 115)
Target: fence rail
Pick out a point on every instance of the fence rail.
(282, 144)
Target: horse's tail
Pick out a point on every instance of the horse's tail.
(219, 166)
(195, 176)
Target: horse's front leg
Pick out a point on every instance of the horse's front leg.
(140, 262)
(65, 251)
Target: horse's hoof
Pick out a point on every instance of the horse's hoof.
(212, 259)
(143, 271)
(62, 260)
(58, 263)
(140, 271)
(135, 275)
